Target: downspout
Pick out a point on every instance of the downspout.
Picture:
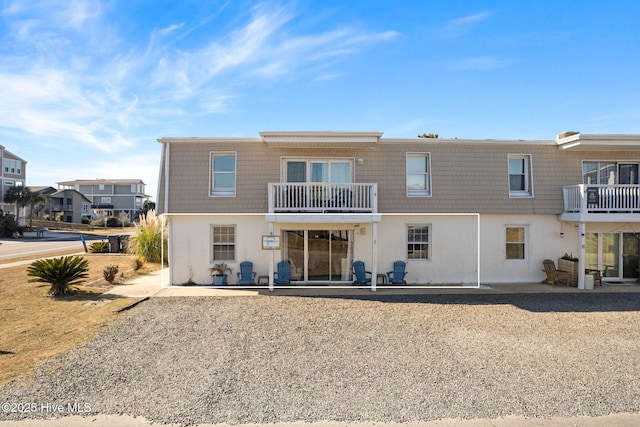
(167, 153)
(582, 231)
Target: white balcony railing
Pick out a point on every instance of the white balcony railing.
(323, 197)
(590, 198)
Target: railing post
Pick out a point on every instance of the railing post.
(582, 191)
(270, 205)
(374, 198)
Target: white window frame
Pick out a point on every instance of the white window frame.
(222, 193)
(428, 242)
(12, 166)
(214, 243)
(528, 176)
(418, 193)
(525, 243)
(105, 200)
(310, 160)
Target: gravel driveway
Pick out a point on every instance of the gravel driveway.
(276, 358)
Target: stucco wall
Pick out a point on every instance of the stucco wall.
(453, 246)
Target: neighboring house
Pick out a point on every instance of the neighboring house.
(71, 205)
(44, 207)
(457, 211)
(111, 197)
(13, 174)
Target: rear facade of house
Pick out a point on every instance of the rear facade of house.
(455, 211)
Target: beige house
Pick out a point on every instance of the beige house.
(111, 197)
(458, 212)
(13, 173)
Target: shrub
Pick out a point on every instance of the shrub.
(110, 273)
(59, 272)
(8, 225)
(149, 241)
(100, 247)
(138, 263)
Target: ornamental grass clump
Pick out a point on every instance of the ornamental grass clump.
(149, 240)
(61, 273)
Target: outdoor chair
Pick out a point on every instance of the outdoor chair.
(396, 277)
(283, 274)
(361, 274)
(246, 276)
(597, 275)
(553, 275)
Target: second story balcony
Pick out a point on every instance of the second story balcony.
(602, 203)
(317, 197)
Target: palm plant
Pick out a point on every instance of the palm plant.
(59, 272)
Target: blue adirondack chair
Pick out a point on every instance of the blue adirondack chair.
(396, 277)
(246, 276)
(283, 274)
(361, 274)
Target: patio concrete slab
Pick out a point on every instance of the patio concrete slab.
(150, 285)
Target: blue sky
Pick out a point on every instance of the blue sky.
(88, 86)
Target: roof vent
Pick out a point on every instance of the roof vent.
(567, 134)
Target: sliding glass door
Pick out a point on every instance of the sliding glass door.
(319, 255)
(614, 254)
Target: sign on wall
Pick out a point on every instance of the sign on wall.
(270, 243)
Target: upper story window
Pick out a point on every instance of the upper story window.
(12, 166)
(609, 173)
(520, 182)
(317, 170)
(223, 174)
(418, 174)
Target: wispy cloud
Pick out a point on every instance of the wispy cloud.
(171, 28)
(463, 25)
(69, 76)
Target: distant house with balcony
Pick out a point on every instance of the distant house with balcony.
(13, 174)
(456, 211)
(110, 197)
(64, 205)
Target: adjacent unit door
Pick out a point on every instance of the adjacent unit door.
(614, 254)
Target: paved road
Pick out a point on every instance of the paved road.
(51, 242)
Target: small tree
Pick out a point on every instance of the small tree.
(149, 240)
(31, 200)
(59, 272)
(20, 195)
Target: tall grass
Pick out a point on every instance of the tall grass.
(148, 240)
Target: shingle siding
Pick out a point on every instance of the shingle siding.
(466, 176)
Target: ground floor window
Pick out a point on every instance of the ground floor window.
(418, 241)
(224, 242)
(516, 242)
